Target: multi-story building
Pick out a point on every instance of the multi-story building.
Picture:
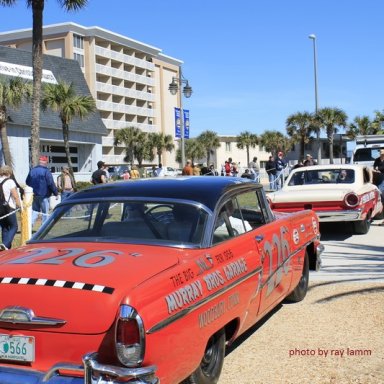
(85, 135)
(128, 79)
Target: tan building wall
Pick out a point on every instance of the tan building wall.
(128, 79)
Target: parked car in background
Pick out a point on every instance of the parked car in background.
(147, 282)
(167, 171)
(336, 192)
(367, 149)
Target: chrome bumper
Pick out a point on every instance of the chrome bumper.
(334, 216)
(93, 372)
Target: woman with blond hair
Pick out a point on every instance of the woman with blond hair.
(8, 224)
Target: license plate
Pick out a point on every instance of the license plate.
(17, 348)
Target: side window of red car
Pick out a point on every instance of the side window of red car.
(250, 210)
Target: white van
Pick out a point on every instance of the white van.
(367, 149)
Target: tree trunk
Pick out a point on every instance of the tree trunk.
(4, 137)
(331, 151)
(65, 128)
(37, 65)
(247, 147)
(302, 148)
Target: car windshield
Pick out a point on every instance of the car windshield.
(126, 221)
(321, 176)
(366, 154)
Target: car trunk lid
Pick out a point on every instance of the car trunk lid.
(81, 285)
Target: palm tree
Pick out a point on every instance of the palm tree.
(360, 126)
(377, 124)
(162, 143)
(143, 148)
(330, 119)
(247, 140)
(275, 141)
(129, 137)
(62, 98)
(210, 141)
(194, 150)
(37, 61)
(13, 92)
(299, 128)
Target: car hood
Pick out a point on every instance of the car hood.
(81, 284)
(310, 194)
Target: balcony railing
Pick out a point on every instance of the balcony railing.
(124, 108)
(118, 56)
(120, 74)
(122, 91)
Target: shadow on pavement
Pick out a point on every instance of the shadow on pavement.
(321, 284)
(240, 340)
(361, 291)
(336, 231)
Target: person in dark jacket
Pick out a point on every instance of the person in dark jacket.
(270, 168)
(100, 175)
(40, 179)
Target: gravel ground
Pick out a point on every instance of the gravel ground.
(334, 336)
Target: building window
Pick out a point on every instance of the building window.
(78, 41)
(79, 58)
(228, 146)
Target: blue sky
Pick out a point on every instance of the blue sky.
(250, 62)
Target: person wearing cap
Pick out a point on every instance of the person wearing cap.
(66, 183)
(309, 160)
(100, 175)
(280, 164)
(204, 169)
(40, 179)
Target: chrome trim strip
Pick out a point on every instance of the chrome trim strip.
(334, 216)
(94, 372)
(164, 323)
(22, 315)
(144, 375)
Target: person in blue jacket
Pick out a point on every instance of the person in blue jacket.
(40, 179)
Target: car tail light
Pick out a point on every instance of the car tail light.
(130, 337)
(351, 200)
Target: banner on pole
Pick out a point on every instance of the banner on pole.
(177, 123)
(186, 123)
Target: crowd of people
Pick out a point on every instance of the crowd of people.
(40, 179)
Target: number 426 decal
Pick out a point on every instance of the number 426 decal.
(80, 258)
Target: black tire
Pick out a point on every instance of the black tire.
(362, 227)
(301, 289)
(379, 216)
(208, 372)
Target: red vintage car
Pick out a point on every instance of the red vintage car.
(147, 281)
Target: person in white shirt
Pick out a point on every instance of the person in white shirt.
(8, 223)
(254, 169)
(160, 171)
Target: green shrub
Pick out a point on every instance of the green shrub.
(83, 185)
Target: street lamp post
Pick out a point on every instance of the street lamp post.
(187, 91)
(313, 38)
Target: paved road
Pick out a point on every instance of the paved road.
(351, 257)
